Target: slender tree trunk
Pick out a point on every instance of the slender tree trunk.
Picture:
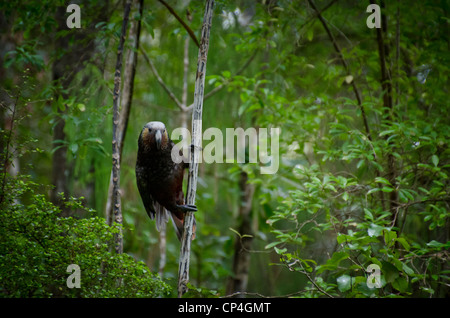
(117, 207)
(183, 270)
(242, 245)
(64, 70)
(126, 97)
(386, 86)
(72, 50)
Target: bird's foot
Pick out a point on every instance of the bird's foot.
(187, 208)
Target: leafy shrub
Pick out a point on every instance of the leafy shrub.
(346, 223)
(37, 246)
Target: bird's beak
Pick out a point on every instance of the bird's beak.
(158, 138)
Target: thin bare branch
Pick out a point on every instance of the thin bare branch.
(185, 26)
(161, 81)
(347, 69)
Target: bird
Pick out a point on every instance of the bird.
(160, 180)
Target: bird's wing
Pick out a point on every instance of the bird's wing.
(147, 198)
(153, 208)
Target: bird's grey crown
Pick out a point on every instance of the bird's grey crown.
(155, 125)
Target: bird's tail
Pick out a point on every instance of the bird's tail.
(161, 216)
(179, 226)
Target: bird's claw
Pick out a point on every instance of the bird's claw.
(187, 208)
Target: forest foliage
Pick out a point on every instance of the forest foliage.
(363, 181)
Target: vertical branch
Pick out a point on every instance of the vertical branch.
(386, 86)
(383, 53)
(397, 53)
(129, 74)
(117, 209)
(347, 69)
(5, 149)
(353, 83)
(126, 97)
(183, 270)
(241, 260)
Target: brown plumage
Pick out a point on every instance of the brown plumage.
(159, 179)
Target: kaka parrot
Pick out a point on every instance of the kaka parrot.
(159, 179)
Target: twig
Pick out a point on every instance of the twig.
(186, 27)
(347, 69)
(289, 266)
(161, 81)
(261, 295)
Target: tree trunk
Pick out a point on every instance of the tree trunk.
(126, 98)
(242, 246)
(183, 270)
(72, 50)
(116, 202)
(386, 85)
(64, 70)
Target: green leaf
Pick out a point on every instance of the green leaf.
(74, 148)
(310, 34)
(435, 244)
(401, 284)
(333, 262)
(373, 190)
(374, 230)
(435, 160)
(81, 107)
(387, 189)
(345, 196)
(270, 245)
(382, 180)
(389, 237)
(404, 243)
(280, 251)
(390, 271)
(408, 270)
(226, 74)
(368, 215)
(344, 282)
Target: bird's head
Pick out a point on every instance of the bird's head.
(154, 136)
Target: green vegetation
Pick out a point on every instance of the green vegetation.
(364, 168)
(37, 245)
